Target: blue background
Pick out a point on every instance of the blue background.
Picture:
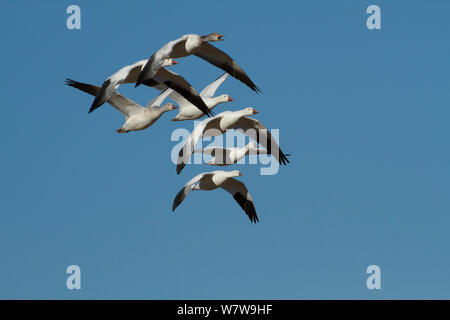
(365, 115)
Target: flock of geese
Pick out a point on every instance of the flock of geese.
(192, 105)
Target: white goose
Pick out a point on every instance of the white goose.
(127, 74)
(165, 77)
(137, 117)
(189, 44)
(228, 156)
(220, 179)
(227, 120)
(188, 111)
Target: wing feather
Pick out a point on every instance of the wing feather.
(262, 136)
(181, 195)
(223, 61)
(240, 193)
(180, 85)
(211, 89)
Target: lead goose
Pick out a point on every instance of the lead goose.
(220, 179)
(228, 156)
(130, 73)
(188, 111)
(189, 44)
(137, 117)
(231, 120)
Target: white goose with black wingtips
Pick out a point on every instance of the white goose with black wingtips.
(194, 44)
(127, 74)
(220, 179)
(137, 117)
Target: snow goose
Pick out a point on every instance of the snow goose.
(127, 74)
(231, 120)
(188, 111)
(227, 156)
(189, 44)
(220, 179)
(166, 78)
(137, 117)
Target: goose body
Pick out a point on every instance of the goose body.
(228, 156)
(220, 179)
(193, 44)
(231, 120)
(137, 117)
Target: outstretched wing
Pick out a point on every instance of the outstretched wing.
(186, 189)
(223, 61)
(124, 105)
(211, 89)
(150, 69)
(240, 193)
(187, 149)
(257, 151)
(255, 130)
(157, 59)
(103, 94)
(180, 85)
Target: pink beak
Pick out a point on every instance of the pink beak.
(254, 111)
(174, 62)
(230, 99)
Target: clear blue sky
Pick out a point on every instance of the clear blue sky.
(365, 115)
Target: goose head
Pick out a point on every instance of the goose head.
(235, 173)
(249, 111)
(225, 98)
(213, 37)
(168, 107)
(169, 62)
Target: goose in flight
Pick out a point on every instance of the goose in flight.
(188, 111)
(137, 117)
(228, 156)
(227, 120)
(130, 73)
(127, 74)
(189, 44)
(220, 179)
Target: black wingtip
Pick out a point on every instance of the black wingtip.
(93, 106)
(284, 158)
(69, 82)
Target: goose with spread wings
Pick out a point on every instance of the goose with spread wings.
(220, 179)
(228, 156)
(127, 74)
(227, 120)
(187, 111)
(193, 44)
(137, 117)
(165, 77)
